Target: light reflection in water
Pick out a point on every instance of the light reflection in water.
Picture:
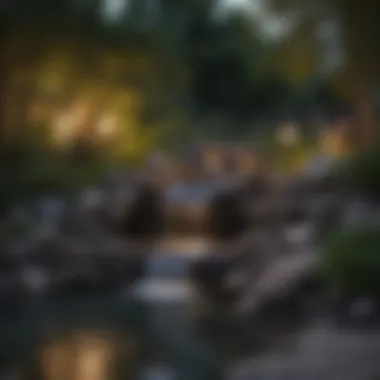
(95, 355)
(91, 355)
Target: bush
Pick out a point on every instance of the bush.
(31, 173)
(351, 260)
(292, 159)
(361, 171)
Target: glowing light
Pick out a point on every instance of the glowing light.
(107, 126)
(86, 356)
(68, 123)
(288, 134)
(64, 127)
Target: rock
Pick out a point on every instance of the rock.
(256, 186)
(319, 168)
(298, 235)
(247, 161)
(76, 282)
(118, 270)
(212, 160)
(13, 374)
(318, 353)
(227, 216)
(285, 282)
(210, 275)
(357, 211)
(328, 217)
(254, 251)
(92, 199)
(186, 205)
(45, 233)
(357, 312)
(50, 210)
(8, 263)
(133, 209)
(92, 274)
(156, 373)
(362, 310)
(160, 168)
(17, 248)
(35, 280)
(146, 216)
(18, 224)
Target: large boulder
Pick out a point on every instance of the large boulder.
(243, 161)
(129, 206)
(227, 215)
(207, 160)
(210, 275)
(160, 168)
(319, 168)
(283, 294)
(187, 205)
(146, 215)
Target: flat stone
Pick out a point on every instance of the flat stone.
(319, 353)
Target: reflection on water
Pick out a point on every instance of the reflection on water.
(106, 338)
(73, 338)
(82, 355)
(76, 341)
(120, 335)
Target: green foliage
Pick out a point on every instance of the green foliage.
(359, 32)
(293, 158)
(30, 173)
(184, 58)
(361, 171)
(16, 228)
(351, 260)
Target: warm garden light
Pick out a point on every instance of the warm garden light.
(107, 126)
(84, 356)
(288, 134)
(64, 128)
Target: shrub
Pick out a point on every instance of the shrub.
(30, 173)
(351, 260)
(292, 159)
(361, 171)
(17, 228)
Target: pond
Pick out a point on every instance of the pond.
(121, 335)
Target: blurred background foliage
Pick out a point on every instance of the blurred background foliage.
(351, 261)
(123, 77)
(86, 85)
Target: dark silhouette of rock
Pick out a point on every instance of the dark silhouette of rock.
(328, 218)
(210, 275)
(186, 220)
(8, 263)
(295, 214)
(187, 206)
(283, 293)
(256, 186)
(146, 216)
(227, 216)
(99, 274)
(355, 312)
(141, 215)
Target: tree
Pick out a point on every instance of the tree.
(358, 23)
(57, 51)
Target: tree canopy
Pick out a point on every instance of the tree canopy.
(156, 67)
